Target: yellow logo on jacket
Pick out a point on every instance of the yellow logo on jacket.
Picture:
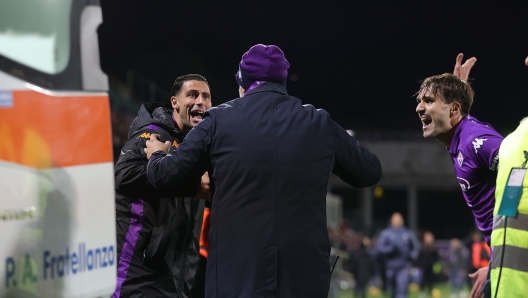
(145, 135)
(175, 144)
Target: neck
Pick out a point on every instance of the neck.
(177, 121)
(447, 137)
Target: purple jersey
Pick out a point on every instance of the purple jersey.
(474, 150)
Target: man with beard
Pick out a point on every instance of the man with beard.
(443, 106)
(158, 234)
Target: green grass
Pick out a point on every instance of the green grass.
(441, 291)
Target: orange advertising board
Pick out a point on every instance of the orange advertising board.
(44, 131)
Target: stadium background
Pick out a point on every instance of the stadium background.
(361, 61)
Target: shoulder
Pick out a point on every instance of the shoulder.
(477, 129)
(146, 131)
(315, 113)
(222, 108)
(311, 108)
(479, 137)
(387, 232)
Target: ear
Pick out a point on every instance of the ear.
(174, 103)
(455, 109)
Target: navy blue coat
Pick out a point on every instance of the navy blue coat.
(269, 159)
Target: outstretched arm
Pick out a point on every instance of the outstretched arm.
(354, 164)
(179, 173)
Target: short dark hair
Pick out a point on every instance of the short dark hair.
(178, 83)
(451, 88)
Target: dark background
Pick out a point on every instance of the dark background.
(360, 60)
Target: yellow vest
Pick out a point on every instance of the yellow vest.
(509, 266)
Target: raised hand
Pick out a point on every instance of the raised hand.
(462, 70)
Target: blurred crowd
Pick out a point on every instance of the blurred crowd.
(366, 267)
(121, 119)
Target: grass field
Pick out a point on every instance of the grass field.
(440, 291)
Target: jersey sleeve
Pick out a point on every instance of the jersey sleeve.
(486, 148)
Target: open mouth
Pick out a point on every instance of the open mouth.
(426, 122)
(196, 116)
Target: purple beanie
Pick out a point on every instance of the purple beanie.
(262, 63)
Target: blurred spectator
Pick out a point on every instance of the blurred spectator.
(362, 266)
(381, 267)
(370, 245)
(428, 257)
(456, 267)
(399, 247)
(480, 251)
(468, 244)
(121, 120)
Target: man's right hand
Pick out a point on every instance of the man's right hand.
(462, 70)
(481, 275)
(204, 190)
(154, 145)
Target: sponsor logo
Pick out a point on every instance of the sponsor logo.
(477, 143)
(174, 144)
(6, 99)
(494, 163)
(145, 135)
(23, 270)
(464, 184)
(460, 159)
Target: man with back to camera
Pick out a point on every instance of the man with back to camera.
(269, 158)
(157, 235)
(443, 106)
(399, 247)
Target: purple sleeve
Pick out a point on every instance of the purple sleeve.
(486, 147)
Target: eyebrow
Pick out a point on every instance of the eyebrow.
(418, 98)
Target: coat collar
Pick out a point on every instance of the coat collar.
(268, 86)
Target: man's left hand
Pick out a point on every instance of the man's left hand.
(154, 145)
